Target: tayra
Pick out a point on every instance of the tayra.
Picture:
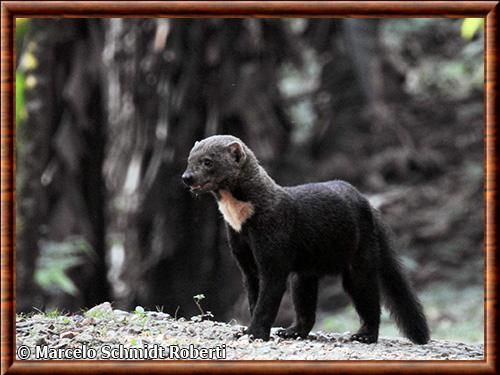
(305, 231)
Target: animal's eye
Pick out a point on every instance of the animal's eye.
(207, 163)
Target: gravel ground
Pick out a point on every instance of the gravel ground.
(104, 333)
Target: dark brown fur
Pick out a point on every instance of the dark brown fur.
(306, 231)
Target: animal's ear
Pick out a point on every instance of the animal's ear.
(236, 150)
(196, 143)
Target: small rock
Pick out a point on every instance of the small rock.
(139, 309)
(67, 335)
(24, 324)
(103, 308)
(88, 321)
(41, 341)
(121, 318)
(84, 337)
(344, 339)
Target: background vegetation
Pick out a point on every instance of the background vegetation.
(107, 111)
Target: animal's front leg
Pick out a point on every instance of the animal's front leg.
(271, 289)
(246, 262)
(251, 284)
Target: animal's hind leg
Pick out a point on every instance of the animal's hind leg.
(304, 295)
(362, 286)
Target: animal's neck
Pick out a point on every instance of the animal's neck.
(255, 191)
(257, 187)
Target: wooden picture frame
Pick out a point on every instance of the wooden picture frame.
(74, 9)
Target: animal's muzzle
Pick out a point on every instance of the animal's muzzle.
(188, 178)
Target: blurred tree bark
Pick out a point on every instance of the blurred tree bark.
(170, 83)
(152, 88)
(61, 147)
(352, 80)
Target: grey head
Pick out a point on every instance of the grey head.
(216, 163)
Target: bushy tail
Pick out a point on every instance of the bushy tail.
(400, 297)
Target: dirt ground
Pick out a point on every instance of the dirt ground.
(104, 333)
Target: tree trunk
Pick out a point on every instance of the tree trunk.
(61, 148)
(170, 83)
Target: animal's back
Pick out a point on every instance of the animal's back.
(331, 218)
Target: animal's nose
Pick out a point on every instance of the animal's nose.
(187, 178)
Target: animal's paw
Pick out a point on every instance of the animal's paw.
(365, 338)
(291, 333)
(255, 334)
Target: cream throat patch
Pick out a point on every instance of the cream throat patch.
(235, 212)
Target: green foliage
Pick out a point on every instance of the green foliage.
(437, 62)
(56, 259)
(197, 298)
(470, 26)
(22, 27)
(464, 321)
(52, 313)
(139, 311)
(55, 277)
(21, 113)
(204, 315)
(97, 314)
